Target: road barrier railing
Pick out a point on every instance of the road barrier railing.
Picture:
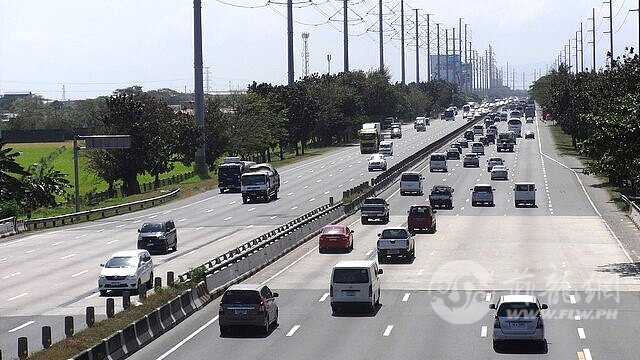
(634, 210)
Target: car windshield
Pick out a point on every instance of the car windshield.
(518, 309)
(241, 297)
(449, 113)
(385, 146)
(257, 179)
(152, 227)
(350, 276)
(333, 230)
(410, 177)
(122, 262)
(394, 234)
(521, 187)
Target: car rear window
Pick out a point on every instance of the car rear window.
(518, 309)
(484, 189)
(410, 177)
(333, 230)
(393, 234)
(420, 210)
(438, 158)
(350, 276)
(524, 187)
(241, 297)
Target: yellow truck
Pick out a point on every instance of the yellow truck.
(370, 136)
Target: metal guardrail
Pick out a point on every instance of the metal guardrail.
(634, 210)
(8, 226)
(86, 215)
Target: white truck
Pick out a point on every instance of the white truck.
(396, 242)
(524, 194)
(261, 182)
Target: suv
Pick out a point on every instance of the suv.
(438, 161)
(482, 194)
(377, 162)
(374, 208)
(471, 159)
(248, 304)
(518, 317)
(396, 242)
(524, 193)
(158, 236)
(477, 148)
(126, 270)
(494, 161)
(396, 132)
(441, 195)
(411, 182)
(469, 135)
(453, 154)
(421, 217)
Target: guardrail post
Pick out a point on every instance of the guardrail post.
(170, 278)
(46, 336)
(126, 299)
(157, 282)
(90, 316)
(110, 311)
(142, 291)
(331, 200)
(68, 326)
(23, 348)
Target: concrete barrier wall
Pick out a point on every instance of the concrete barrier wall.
(634, 214)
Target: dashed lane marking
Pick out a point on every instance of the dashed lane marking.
(581, 334)
(387, 331)
(483, 332)
(405, 298)
(17, 296)
(323, 297)
(293, 330)
(79, 273)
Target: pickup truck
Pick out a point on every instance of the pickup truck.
(374, 208)
(441, 196)
(396, 242)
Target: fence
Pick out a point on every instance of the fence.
(634, 210)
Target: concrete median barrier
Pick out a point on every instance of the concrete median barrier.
(130, 338)
(155, 324)
(115, 346)
(176, 310)
(166, 320)
(143, 331)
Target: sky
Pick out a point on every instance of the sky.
(94, 47)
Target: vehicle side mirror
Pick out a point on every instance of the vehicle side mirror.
(492, 306)
(545, 306)
(275, 294)
(470, 189)
(435, 211)
(412, 233)
(351, 231)
(102, 265)
(380, 271)
(379, 235)
(138, 230)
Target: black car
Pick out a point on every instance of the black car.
(453, 154)
(469, 135)
(248, 305)
(159, 236)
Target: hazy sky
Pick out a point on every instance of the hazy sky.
(96, 46)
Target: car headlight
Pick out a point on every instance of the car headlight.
(101, 276)
(131, 277)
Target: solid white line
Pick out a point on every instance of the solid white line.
(112, 242)
(21, 326)
(293, 330)
(487, 298)
(80, 273)
(17, 296)
(406, 297)
(189, 253)
(483, 332)
(92, 295)
(587, 354)
(581, 334)
(290, 265)
(324, 297)
(387, 331)
(67, 256)
(183, 341)
(572, 299)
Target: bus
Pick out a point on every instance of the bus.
(515, 125)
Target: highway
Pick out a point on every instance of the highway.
(437, 306)
(52, 273)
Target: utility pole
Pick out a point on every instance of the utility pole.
(523, 86)
(513, 79)
(455, 70)
(428, 49)
(305, 53)
(467, 85)
(577, 52)
(610, 32)
(290, 69)
(446, 51)
(401, 39)
(438, 59)
(345, 32)
(200, 158)
(593, 39)
(569, 55)
(460, 51)
(417, 50)
(638, 10)
(64, 93)
(490, 67)
(206, 79)
(488, 71)
(507, 74)
(471, 73)
(381, 35)
(581, 49)
(329, 64)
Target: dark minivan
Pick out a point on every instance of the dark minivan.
(159, 236)
(248, 305)
(421, 217)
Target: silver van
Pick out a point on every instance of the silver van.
(438, 161)
(355, 282)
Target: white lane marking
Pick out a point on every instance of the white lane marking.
(68, 256)
(572, 299)
(81, 236)
(351, 179)
(324, 297)
(483, 332)
(153, 216)
(369, 252)
(420, 272)
(3, 259)
(120, 226)
(191, 336)
(487, 298)
(251, 209)
(55, 243)
(312, 199)
(289, 194)
(29, 251)
(101, 230)
(293, 330)
(576, 318)
(21, 326)
(405, 298)
(137, 221)
(587, 354)
(233, 202)
(189, 253)
(200, 228)
(181, 220)
(210, 210)
(306, 186)
(228, 218)
(92, 295)
(112, 242)
(326, 192)
(12, 275)
(79, 273)
(340, 185)
(581, 334)
(17, 296)
(273, 217)
(293, 208)
(318, 180)
(249, 227)
(387, 331)
(284, 183)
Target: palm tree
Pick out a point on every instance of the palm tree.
(10, 186)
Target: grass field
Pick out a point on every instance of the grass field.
(89, 181)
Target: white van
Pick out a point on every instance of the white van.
(355, 282)
(438, 161)
(524, 193)
(411, 182)
(386, 148)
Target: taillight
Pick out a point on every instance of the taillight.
(370, 291)
(261, 307)
(331, 290)
(496, 322)
(540, 323)
(221, 309)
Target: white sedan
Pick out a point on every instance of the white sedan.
(499, 172)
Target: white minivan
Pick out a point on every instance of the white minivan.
(524, 194)
(355, 282)
(438, 161)
(411, 182)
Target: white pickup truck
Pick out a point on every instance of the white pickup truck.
(396, 242)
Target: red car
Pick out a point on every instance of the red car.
(421, 217)
(336, 237)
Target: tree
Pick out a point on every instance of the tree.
(43, 184)
(10, 186)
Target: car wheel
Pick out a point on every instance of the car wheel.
(225, 330)
(321, 250)
(363, 221)
(175, 245)
(433, 230)
(334, 310)
(401, 193)
(150, 282)
(138, 285)
(166, 247)
(103, 292)
(473, 203)
(380, 259)
(245, 200)
(496, 344)
(265, 327)
(386, 219)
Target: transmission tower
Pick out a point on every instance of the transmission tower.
(305, 53)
